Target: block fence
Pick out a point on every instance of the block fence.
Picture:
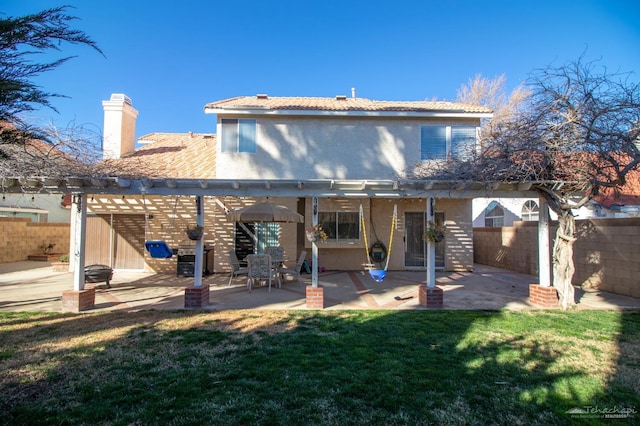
(606, 253)
(20, 237)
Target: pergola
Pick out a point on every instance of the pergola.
(80, 187)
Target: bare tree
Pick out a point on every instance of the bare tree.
(574, 136)
(21, 40)
(72, 151)
(492, 93)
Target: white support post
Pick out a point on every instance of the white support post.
(314, 246)
(544, 252)
(72, 234)
(80, 229)
(431, 246)
(197, 267)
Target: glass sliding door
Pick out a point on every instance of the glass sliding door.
(415, 247)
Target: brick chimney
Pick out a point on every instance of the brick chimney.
(119, 126)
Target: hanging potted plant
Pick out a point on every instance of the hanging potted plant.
(195, 233)
(433, 233)
(316, 233)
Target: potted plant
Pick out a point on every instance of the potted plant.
(47, 254)
(433, 233)
(62, 265)
(195, 233)
(316, 233)
(47, 248)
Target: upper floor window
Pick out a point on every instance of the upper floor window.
(530, 210)
(442, 142)
(238, 135)
(494, 215)
(340, 226)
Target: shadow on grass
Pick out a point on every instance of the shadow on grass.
(334, 368)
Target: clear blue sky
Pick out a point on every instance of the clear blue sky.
(171, 58)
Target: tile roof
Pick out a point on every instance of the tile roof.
(628, 195)
(170, 155)
(342, 104)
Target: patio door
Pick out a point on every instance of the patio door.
(415, 248)
(267, 235)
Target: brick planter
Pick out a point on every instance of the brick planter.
(45, 257)
(60, 266)
(196, 297)
(430, 297)
(77, 301)
(315, 297)
(545, 297)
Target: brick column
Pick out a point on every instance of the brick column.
(315, 297)
(196, 297)
(76, 301)
(543, 296)
(430, 297)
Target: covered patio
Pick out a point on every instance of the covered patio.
(196, 291)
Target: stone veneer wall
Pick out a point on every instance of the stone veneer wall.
(606, 254)
(19, 238)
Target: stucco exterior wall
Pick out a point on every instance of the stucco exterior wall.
(378, 215)
(168, 218)
(48, 205)
(328, 148)
(458, 233)
(513, 210)
(605, 253)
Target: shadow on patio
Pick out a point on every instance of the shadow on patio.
(485, 288)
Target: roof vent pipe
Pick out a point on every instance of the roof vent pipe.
(353, 92)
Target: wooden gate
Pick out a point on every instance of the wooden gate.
(116, 240)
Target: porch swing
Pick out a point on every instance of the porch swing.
(158, 249)
(378, 249)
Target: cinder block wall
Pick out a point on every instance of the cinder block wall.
(606, 254)
(19, 238)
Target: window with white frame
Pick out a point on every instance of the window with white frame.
(530, 211)
(238, 135)
(340, 226)
(442, 142)
(494, 215)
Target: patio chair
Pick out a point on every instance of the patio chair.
(282, 271)
(259, 269)
(276, 253)
(236, 267)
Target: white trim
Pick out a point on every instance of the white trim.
(21, 210)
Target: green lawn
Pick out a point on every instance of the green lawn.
(319, 368)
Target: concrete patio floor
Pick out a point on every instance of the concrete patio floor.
(33, 286)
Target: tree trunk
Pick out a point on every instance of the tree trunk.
(563, 267)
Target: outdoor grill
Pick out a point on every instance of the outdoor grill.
(187, 261)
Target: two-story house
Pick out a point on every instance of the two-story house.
(352, 154)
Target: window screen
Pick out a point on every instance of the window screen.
(463, 141)
(238, 135)
(433, 143)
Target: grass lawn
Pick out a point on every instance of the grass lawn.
(320, 368)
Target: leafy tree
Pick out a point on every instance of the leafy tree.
(20, 39)
(574, 135)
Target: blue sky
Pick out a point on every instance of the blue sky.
(171, 58)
